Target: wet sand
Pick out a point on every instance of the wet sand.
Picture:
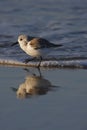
(61, 104)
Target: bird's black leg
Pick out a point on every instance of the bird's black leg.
(27, 60)
(40, 62)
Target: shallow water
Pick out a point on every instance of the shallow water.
(61, 107)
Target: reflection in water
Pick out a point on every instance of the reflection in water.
(34, 85)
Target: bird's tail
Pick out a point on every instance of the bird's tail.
(57, 45)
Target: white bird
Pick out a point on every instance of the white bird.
(35, 47)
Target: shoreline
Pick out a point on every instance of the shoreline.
(78, 64)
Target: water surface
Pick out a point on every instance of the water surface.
(58, 21)
(62, 107)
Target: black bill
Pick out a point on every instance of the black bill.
(14, 44)
(14, 89)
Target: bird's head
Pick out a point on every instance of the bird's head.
(22, 40)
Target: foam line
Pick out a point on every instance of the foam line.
(50, 64)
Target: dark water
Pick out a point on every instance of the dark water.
(62, 103)
(59, 21)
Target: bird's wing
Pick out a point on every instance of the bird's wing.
(39, 43)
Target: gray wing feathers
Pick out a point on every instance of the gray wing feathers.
(39, 43)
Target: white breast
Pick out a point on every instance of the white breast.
(34, 52)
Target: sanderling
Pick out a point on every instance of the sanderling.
(35, 47)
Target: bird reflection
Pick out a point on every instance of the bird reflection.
(34, 85)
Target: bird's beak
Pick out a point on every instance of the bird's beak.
(14, 89)
(14, 44)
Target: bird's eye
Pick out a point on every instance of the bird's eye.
(21, 39)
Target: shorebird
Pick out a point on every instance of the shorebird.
(35, 47)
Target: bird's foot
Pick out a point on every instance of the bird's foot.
(39, 63)
(38, 66)
(27, 60)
